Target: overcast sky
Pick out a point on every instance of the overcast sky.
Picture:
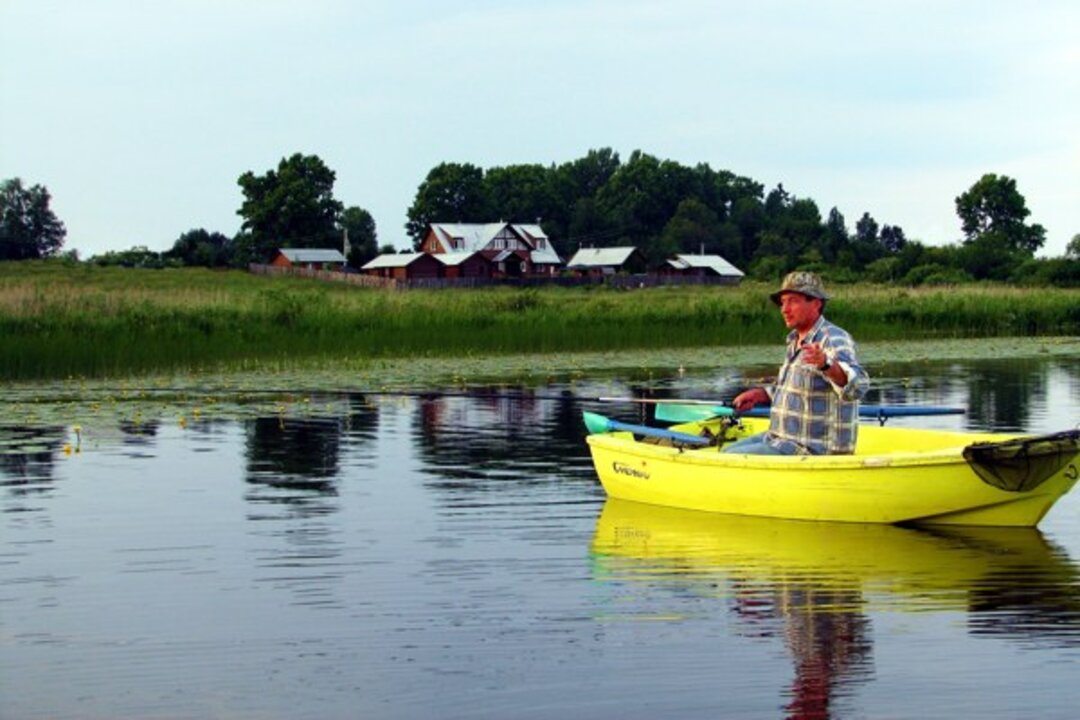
(140, 116)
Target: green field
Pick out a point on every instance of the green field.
(71, 320)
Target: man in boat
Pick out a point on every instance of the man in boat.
(815, 399)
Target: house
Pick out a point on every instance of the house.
(710, 266)
(318, 259)
(404, 266)
(514, 250)
(607, 261)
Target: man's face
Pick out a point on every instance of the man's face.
(800, 312)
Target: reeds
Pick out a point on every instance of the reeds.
(59, 320)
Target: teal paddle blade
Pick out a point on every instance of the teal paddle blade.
(596, 423)
(677, 413)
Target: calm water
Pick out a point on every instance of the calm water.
(454, 557)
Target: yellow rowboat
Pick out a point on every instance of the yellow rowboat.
(939, 568)
(897, 475)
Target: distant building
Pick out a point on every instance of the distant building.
(404, 266)
(607, 261)
(514, 250)
(702, 266)
(318, 259)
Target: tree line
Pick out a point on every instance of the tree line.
(599, 200)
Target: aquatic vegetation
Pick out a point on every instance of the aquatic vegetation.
(84, 321)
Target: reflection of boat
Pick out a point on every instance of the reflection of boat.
(897, 475)
(939, 566)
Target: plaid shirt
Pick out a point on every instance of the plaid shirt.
(810, 414)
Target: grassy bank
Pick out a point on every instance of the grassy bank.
(59, 321)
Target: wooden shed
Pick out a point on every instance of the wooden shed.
(404, 266)
(316, 258)
(706, 266)
(608, 261)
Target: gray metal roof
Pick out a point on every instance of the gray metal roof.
(392, 260)
(314, 255)
(453, 258)
(712, 262)
(473, 236)
(601, 257)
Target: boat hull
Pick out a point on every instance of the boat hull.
(934, 485)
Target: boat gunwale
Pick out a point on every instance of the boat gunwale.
(951, 455)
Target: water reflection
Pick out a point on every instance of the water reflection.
(815, 585)
(28, 458)
(476, 443)
(295, 460)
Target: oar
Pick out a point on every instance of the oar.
(598, 424)
(691, 412)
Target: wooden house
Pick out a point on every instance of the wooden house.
(404, 266)
(608, 261)
(514, 250)
(705, 266)
(315, 258)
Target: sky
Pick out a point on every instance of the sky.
(139, 116)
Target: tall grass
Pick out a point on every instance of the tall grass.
(58, 320)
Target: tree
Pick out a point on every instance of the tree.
(866, 229)
(363, 240)
(836, 237)
(519, 193)
(1072, 250)
(892, 238)
(694, 227)
(28, 227)
(451, 192)
(993, 205)
(642, 196)
(293, 206)
(199, 247)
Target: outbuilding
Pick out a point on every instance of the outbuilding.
(404, 266)
(608, 261)
(704, 266)
(314, 258)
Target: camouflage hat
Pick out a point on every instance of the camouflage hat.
(802, 282)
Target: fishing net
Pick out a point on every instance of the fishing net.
(1024, 464)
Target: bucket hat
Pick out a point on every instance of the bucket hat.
(802, 282)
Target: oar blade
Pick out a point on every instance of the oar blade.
(678, 413)
(596, 423)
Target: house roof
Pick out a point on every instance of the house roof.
(315, 255)
(601, 257)
(453, 258)
(476, 236)
(393, 260)
(710, 262)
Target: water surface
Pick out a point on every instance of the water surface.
(346, 555)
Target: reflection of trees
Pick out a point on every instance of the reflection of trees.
(1001, 393)
(293, 470)
(478, 441)
(27, 455)
(297, 460)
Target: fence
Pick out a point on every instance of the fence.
(622, 282)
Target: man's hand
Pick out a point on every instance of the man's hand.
(748, 399)
(813, 354)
